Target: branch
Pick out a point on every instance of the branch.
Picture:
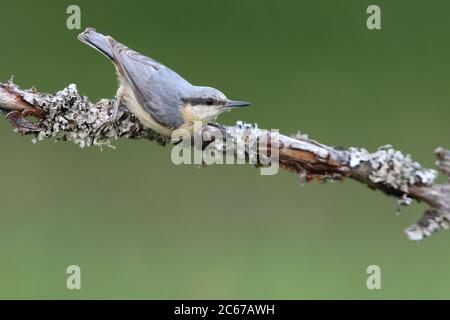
(70, 117)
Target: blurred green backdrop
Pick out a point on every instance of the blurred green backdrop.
(141, 227)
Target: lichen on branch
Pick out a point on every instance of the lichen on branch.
(68, 116)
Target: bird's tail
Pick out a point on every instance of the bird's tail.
(97, 41)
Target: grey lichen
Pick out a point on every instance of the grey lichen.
(244, 140)
(358, 156)
(392, 168)
(431, 222)
(72, 117)
(443, 160)
(404, 200)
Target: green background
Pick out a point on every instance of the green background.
(141, 227)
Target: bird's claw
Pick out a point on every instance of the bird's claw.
(115, 116)
(35, 112)
(21, 124)
(105, 127)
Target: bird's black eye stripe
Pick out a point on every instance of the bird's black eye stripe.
(201, 101)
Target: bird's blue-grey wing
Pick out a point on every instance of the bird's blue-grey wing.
(157, 88)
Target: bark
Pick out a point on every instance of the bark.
(70, 117)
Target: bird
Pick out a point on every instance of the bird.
(161, 99)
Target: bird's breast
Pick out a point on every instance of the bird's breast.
(145, 117)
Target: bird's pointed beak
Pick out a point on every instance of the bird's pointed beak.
(237, 104)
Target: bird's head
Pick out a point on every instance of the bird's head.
(205, 104)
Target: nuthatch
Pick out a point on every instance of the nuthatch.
(160, 98)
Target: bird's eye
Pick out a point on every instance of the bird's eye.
(209, 102)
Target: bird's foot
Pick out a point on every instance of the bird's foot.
(105, 127)
(21, 124)
(116, 115)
